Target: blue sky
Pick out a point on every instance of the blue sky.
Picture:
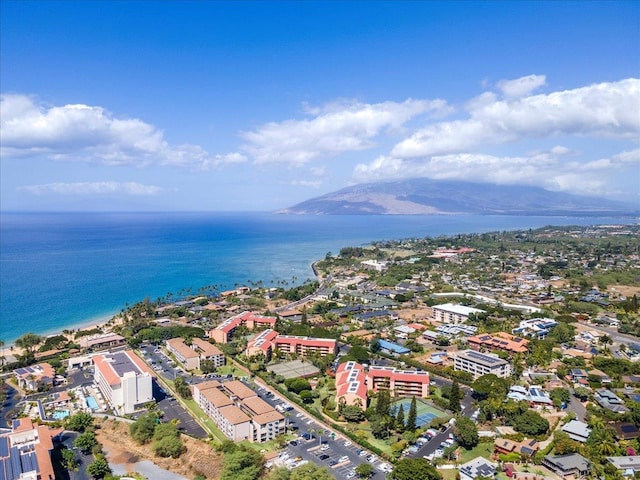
(259, 105)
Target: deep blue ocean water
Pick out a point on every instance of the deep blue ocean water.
(60, 270)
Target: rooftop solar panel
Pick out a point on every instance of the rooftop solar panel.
(628, 428)
(4, 446)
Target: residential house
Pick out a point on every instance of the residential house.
(610, 401)
(627, 465)
(526, 448)
(535, 395)
(625, 430)
(478, 467)
(577, 430)
(572, 466)
(35, 377)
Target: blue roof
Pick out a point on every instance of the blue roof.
(393, 347)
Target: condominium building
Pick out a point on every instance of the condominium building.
(185, 356)
(191, 356)
(305, 345)
(262, 344)
(25, 451)
(479, 364)
(124, 380)
(269, 340)
(223, 333)
(453, 313)
(101, 341)
(208, 351)
(351, 384)
(400, 383)
(238, 412)
(499, 341)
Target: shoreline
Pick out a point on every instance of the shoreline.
(94, 322)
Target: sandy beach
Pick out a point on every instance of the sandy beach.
(11, 351)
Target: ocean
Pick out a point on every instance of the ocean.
(62, 270)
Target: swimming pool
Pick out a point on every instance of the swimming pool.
(60, 414)
(91, 403)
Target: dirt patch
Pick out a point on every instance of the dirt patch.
(200, 457)
(626, 290)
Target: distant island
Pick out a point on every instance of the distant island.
(422, 196)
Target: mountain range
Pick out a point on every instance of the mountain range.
(422, 196)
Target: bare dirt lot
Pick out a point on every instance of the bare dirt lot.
(626, 290)
(200, 457)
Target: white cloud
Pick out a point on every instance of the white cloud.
(93, 188)
(306, 183)
(544, 169)
(521, 86)
(335, 128)
(318, 171)
(601, 110)
(90, 134)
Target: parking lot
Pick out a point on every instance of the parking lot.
(314, 444)
(317, 445)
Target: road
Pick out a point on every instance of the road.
(9, 404)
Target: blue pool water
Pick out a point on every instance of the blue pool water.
(91, 403)
(60, 414)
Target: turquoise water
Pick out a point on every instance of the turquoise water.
(92, 404)
(59, 270)
(60, 414)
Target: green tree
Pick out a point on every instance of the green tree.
(99, 468)
(414, 468)
(168, 446)
(455, 397)
(69, 459)
(466, 432)
(352, 413)
(182, 387)
(79, 422)
(560, 396)
(311, 471)
(85, 441)
(490, 385)
(530, 423)
(207, 366)
(412, 417)
(400, 419)
(29, 341)
(142, 429)
(364, 470)
(242, 463)
(384, 402)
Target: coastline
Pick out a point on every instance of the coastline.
(94, 322)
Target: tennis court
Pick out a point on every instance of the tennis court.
(294, 369)
(425, 412)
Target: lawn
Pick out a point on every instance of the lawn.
(202, 418)
(231, 369)
(481, 450)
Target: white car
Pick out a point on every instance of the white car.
(348, 443)
(344, 458)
